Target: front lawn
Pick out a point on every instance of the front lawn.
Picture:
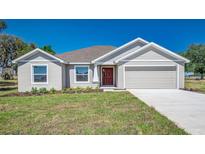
(195, 85)
(88, 113)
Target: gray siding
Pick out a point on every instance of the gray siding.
(71, 83)
(181, 75)
(64, 85)
(120, 77)
(62, 76)
(151, 55)
(54, 76)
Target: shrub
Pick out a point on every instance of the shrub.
(70, 90)
(64, 90)
(34, 90)
(97, 89)
(89, 88)
(43, 91)
(52, 90)
(27, 92)
(7, 74)
(78, 89)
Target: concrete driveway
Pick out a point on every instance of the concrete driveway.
(186, 109)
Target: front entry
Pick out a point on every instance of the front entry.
(107, 76)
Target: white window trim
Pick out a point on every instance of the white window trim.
(75, 81)
(32, 74)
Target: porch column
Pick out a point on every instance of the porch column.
(95, 75)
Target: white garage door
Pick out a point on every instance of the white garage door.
(145, 77)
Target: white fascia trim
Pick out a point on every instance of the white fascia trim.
(32, 75)
(121, 47)
(156, 46)
(75, 81)
(149, 60)
(149, 65)
(170, 52)
(104, 63)
(38, 60)
(79, 63)
(35, 50)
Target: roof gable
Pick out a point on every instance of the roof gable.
(137, 40)
(34, 52)
(158, 47)
(150, 54)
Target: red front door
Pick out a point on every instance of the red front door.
(107, 76)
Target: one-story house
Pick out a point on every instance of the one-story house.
(136, 64)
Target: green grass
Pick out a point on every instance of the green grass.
(89, 113)
(195, 85)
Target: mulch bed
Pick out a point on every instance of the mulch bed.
(49, 93)
(193, 90)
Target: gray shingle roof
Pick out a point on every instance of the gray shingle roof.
(85, 54)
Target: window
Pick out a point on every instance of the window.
(40, 73)
(81, 73)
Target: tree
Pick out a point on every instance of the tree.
(196, 55)
(2, 25)
(25, 49)
(12, 47)
(48, 49)
(188, 66)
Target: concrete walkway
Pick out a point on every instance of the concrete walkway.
(186, 109)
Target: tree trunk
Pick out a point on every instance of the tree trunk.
(202, 76)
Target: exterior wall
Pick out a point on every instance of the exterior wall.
(181, 75)
(71, 83)
(55, 76)
(64, 85)
(150, 57)
(120, 77)
(61, 75)
(150, 54)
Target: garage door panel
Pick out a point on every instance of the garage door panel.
(150, 77)
(156, 68)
